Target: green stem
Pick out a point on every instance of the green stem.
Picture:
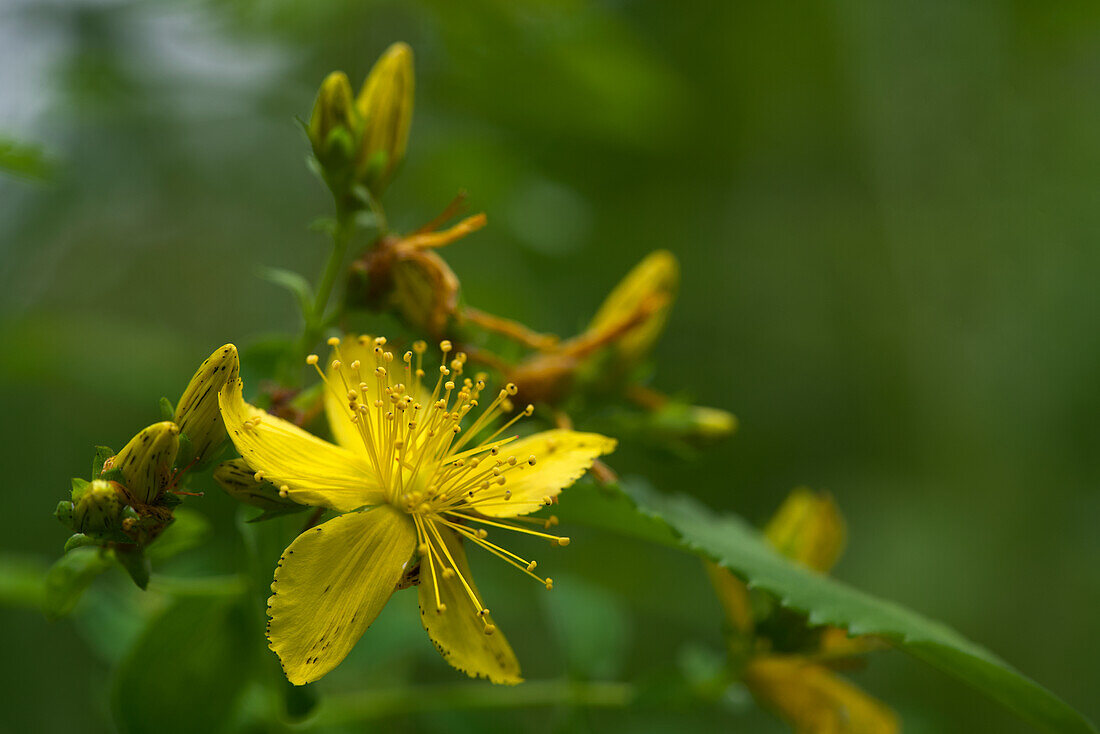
(351, 708)
(341, 235)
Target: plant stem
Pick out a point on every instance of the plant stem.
(341, 235)
(350, 708)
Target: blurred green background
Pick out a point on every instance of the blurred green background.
(885, 215)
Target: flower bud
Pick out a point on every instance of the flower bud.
(808, 528)
(146, 462)
(239, 482)
(638, 306)
(335, 125)
(811, 698)
(99, 510)
(197, 413)
(385, 105)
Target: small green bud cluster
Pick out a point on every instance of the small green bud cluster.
(360, 141)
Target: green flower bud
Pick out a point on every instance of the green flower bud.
(99, 511)
(695, 423)
(64, 513)
(808, 528)
(335, 125)
(385, 105)
(197, 413)
(146, 462)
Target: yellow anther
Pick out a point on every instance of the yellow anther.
(482, 533)
(549, 583)
(440, 608)
(511, 388)
(284, 491)
(352, 395)
(422, 549)
(445, 346)
(380, 341)
(531, 566)
(312, 359)
(490, 629)
(448, 573)
(336, 364)
(333, 341)
(563, 541)
(258, 476)
(355, 364)
(420, 346)
(531, 460)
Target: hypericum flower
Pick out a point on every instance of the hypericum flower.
(798, 685)
(415, 479)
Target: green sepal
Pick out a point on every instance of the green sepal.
(113, 475)
(80, 540)
(186, 452)
(79, 485)
(136, 564)
(102, 453)
(167, 410)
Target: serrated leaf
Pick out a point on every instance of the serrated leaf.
(201, 645)
(682, 522)
(69, 577)
(296, 284)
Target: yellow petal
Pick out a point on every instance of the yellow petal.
(313, 471)
(336, 406)
(646, 292)
(808, 528)
(458, 633)
(197, 412)
(561, 458)
(814, 700)
(330, 585)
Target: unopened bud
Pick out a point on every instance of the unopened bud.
(99, 510)
(808, 528)
(637, 308)
(197, 413)
(385, 105)
(146, 462)
(693, 423)
(335, 125)
(239, 482)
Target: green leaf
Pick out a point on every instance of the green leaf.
(167, 410)
(136, 564)
(682, 522)
(294, 283)
(186, 670)
(69, 577)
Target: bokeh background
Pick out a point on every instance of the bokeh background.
(886, 215)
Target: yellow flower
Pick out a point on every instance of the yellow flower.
(809, 529)
(414, 479)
